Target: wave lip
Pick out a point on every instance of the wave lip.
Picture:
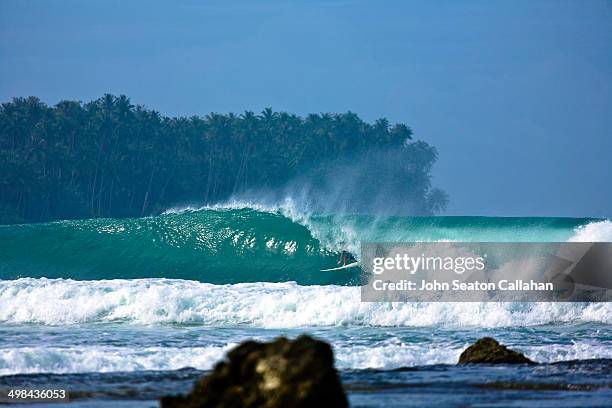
(263, 304)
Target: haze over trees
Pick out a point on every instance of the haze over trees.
(109, 158)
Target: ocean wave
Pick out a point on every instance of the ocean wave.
(83, 359)
(577, 350)
(390, 355)
(248, 242)
(215, 246)
(345, 231)
(395, 354)
(266, 305)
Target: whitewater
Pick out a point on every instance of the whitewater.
(262, 305)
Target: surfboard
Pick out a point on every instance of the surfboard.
(351, 265)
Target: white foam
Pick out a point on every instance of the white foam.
(234, 204)
(600, 231)
(389, 355)
(26, 360)
(580, 350)
(267, 305)
(395, 354)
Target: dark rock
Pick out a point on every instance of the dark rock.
(488, 351)
(282, 373)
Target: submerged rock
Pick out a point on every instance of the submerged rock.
(488, 351)
(281, 373)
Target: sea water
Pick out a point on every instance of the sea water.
(121, 312)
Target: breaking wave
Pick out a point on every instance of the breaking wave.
(244, 242)
(263, 304)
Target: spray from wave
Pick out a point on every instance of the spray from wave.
(600, 231)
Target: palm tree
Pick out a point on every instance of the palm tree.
(109, 157)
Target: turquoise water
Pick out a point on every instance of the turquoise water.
(232, 245)
(116, 310)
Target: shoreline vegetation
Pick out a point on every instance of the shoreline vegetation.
(110, 158)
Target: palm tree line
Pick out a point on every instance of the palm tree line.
(110, 158)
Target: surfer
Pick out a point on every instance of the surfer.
(346, 261)
(346, 257)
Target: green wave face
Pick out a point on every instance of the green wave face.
(216, 246)
(236, 245)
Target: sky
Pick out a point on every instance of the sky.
(515, 95)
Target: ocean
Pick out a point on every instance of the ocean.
(122, 311)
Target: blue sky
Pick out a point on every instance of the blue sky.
(516, 95)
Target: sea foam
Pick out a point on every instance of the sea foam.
(389, 355)
(262, 304)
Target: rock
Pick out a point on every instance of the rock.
(281, 373)
(488, 351)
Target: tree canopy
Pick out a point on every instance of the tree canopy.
(110, 158)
